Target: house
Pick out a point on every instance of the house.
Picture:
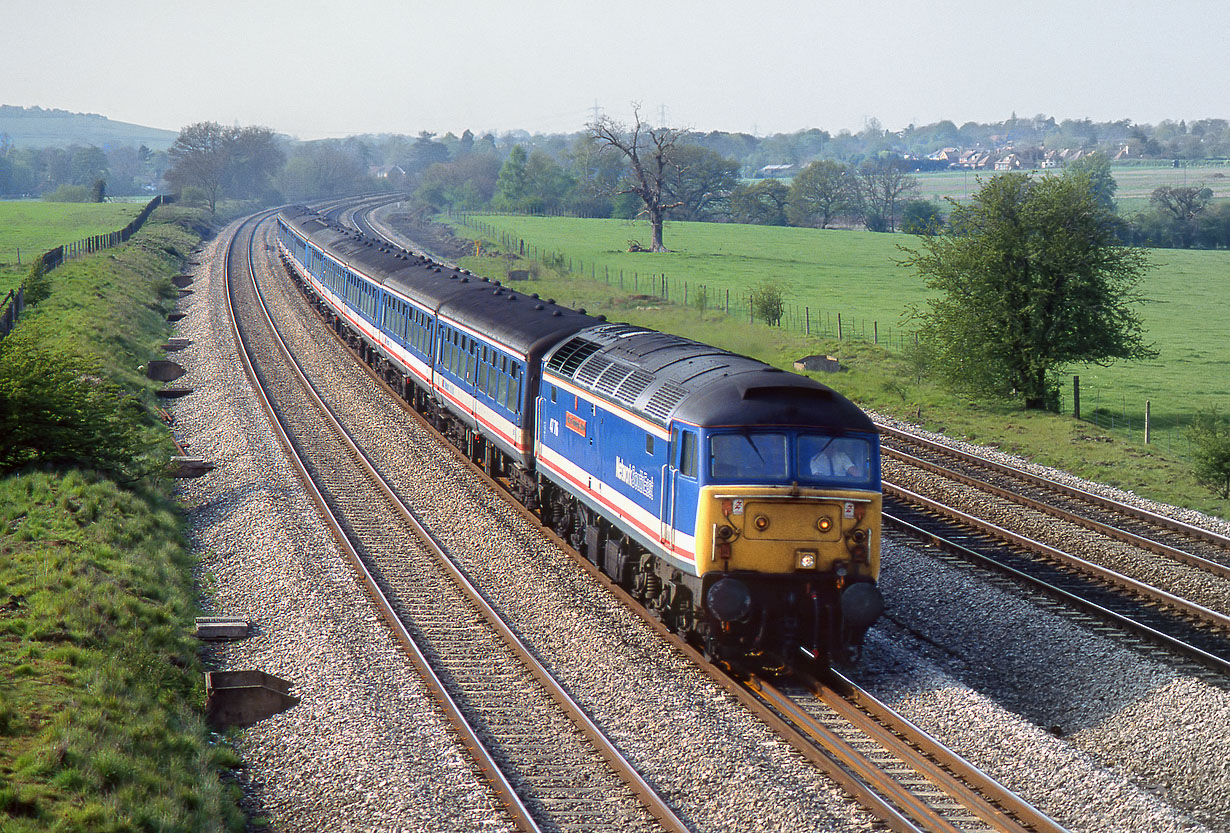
(1011, 162)
(774, 171)
(390, 173)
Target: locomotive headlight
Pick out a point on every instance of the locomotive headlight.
(806, 559)
(761, 522)
(824, 524)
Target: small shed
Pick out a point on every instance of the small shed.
(828, 364)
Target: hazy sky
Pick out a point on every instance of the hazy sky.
(317, 68)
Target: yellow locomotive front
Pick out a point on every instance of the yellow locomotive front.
(788, 542)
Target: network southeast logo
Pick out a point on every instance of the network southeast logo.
(639, 480)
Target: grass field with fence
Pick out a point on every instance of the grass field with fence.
(854, 274)
(30, 227)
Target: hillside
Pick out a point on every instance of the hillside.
(36, 127)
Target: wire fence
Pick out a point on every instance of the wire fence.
(659, 287)
(1103, 407)
(14, 304)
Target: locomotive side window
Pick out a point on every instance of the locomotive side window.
(553, 390)
(687, 454)
(649, 444)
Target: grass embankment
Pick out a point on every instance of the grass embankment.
(35, 227)
(100, 682)
(856, 273)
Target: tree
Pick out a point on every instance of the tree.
(1028, 278)
(511, 185)
(252, 158)
(882, 184)
(1181, 205)
(921, 217)
(701, 183)
(1097, 166)
(325, 168)
(199, 159)
(649, 152)
(761, 203)
(822, 192)
(1210, 436)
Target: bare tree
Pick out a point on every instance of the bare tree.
(649, 152)
(883, 184)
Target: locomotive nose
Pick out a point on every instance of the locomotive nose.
(729, 600)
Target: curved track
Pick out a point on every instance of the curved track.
(525, 732)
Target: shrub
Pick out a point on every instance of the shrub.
(768, 302)
(38, 283)
(1210, 436)
(70, 193)
(56, 409)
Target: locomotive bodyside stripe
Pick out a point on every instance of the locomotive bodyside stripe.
(619, 508)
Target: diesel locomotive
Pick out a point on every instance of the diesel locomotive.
(738, 502)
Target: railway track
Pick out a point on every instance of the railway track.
(549, 764)
(905, 777)
(1165, 616)
(1159, 534)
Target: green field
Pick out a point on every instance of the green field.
(1136, 183)
(30, 227)
(857, 275)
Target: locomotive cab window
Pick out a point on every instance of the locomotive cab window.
(749, 456)
(841, 459)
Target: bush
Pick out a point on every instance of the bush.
(38, 283)
(70, 193)
(55, 409)
(768, 303)
(1210, 436)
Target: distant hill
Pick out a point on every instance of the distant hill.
(36, 127)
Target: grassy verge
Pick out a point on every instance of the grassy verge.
(100, 682)
(857, 272)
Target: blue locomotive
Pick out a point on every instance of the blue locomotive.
(738, 502)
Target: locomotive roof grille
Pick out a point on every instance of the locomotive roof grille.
(613, 377)
(633, 386)
(568, 358)
(589, 372)
(665, 399)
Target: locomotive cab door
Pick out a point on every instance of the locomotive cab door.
(681, 491)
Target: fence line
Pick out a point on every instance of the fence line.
(1167, 430)
(660, 286)
(14, 303)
